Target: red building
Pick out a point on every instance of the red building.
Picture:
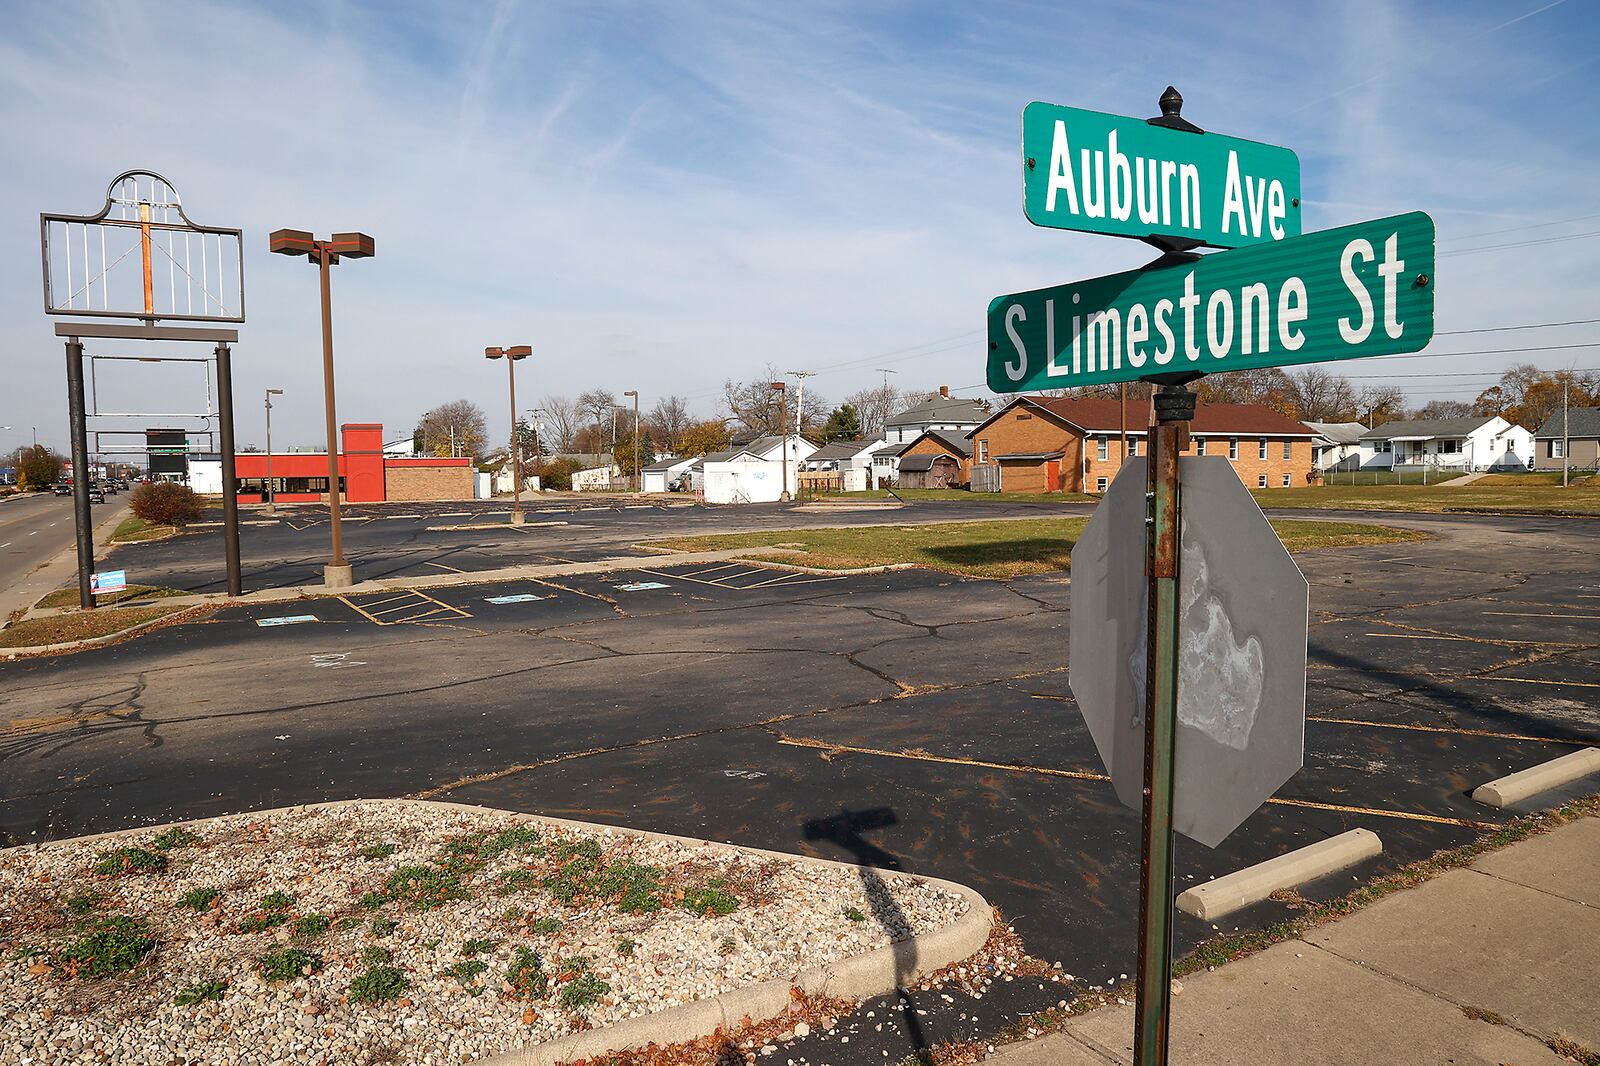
(366, 474)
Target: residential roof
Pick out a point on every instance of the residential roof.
(716, 457)
(892, 449)
(914, 463)
(1095, 415)
(942, 409)
(666, 464)
(1581, 422)
(841, 449)
(957, 445)
(1339, 432)
(1426, 428)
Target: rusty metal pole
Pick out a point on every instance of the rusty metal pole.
(1174, 409)
(230, 483)
(80, 472)
(516, 449)
(337, 574)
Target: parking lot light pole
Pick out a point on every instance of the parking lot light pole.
(337, 573)
(269, 496)
(511, 355)
(783, 423)
(638, 483)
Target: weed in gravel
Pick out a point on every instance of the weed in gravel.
(633, 887)
(128, 860)
(29, 951)
(199, 993)
(525, 977)
(1483, 1015)
(513, 914)
(575, 849)
(311, 926)
(466, 974)
(854, 915)
(378, 984)
(261, 921)
(727, 947)
(513, 881)
(424, 887)
(288, 964)
(82, 903)
(176, 837)
(711, 898)
(371, 901)
(572, 965)
(376, 955)
(626, 945)
(112, 945)
(198, 899)
(277, 901)
(377, 851)
(381, 927)
(582, 991)
(547, 925)
(349, 921)
(470, 948)
(431, 945)
(519, 838)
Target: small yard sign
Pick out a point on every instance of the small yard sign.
(108, 581)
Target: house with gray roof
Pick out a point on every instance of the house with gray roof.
(1474, 443)
(1338, 446)
(949, 414)
(1570, 439)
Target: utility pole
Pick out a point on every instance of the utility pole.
(799, 413)
(511, 355)
(270, 496)
(783, 423)
(638, 482)
(1566, 442)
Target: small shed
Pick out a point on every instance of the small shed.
(929, 472)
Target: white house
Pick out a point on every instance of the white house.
(662, 474)
(951, 414)
(843, 455)
(597, 479)
(753, 472)
(1474, 443)
(1340, 446)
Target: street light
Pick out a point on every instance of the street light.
(337, 573)
(638, 484)
(783, 423)
(511, 355)
(270, 496)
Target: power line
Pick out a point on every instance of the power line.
(1525, 325)
(1520, 244)
(1519, 229)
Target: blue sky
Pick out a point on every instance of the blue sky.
(658, 196)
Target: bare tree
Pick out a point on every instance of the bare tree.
(875, 406)
(560, 423)
(759, 408)
(1443, 409)
(1268, 386)
(1381, 403)
(1323, 396)
(457, 427)
(595, 407)
(668, 419)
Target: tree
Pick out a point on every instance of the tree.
(556, 473)
(668, 419)
(1443, 409)
(1268, 386)
(1381, 403)
(595, 407)
(759, 408)
(165, 503)
(624, 453)
(458, 427)
(703, 438)
(1320, 395)
(37, 467)
(842, 424)
(529, 444)
(874, 407)
(559, 424)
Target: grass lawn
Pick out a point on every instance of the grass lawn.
(80, 625)
(69, 597)
(964, 495)
(1496, 494)
(989, 549)
(133, 529)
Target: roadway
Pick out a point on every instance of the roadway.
(34, 530)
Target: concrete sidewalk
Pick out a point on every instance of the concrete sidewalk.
(1492, 963)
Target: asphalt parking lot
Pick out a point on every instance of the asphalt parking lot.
(911, 719)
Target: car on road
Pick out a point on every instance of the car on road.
(108, 487)
(61, 488)
(97, 494)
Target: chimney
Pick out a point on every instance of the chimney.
(944, 392)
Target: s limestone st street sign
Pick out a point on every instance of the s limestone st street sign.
(1343, 293)
(1099, 173)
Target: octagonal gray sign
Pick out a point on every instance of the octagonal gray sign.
(1241, 654)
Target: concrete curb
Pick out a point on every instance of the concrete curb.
(108, 638)
(1514, 788)
(1231, 892)
(858, 977)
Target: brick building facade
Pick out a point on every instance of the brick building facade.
(1042, 444)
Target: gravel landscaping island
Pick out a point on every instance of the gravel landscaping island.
(403, 931)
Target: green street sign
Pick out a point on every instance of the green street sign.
(1344, 293)
(1099, 173)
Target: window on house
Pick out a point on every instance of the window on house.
(1133, 445)
(1100, 484)
(1386, 446)
(1286, 481)
(1233, 447)
(1286, 450)
(983, 451)
(1261, 453)
(1101, 447)
(1199, 445)
(1558, 449)
(1261, 481)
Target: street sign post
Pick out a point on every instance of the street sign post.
(1129, 177)
(1345, 293)
(1242, 626)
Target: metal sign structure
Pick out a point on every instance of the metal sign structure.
(1272, 299)
(1130, 177)
(142, 257)
(1242, 627)
(1343, 293)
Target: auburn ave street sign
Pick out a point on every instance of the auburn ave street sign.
(1343, 293)
(1242, 618)
(1099, 173)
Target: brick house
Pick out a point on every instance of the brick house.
(1041, 444)
(928, 453)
